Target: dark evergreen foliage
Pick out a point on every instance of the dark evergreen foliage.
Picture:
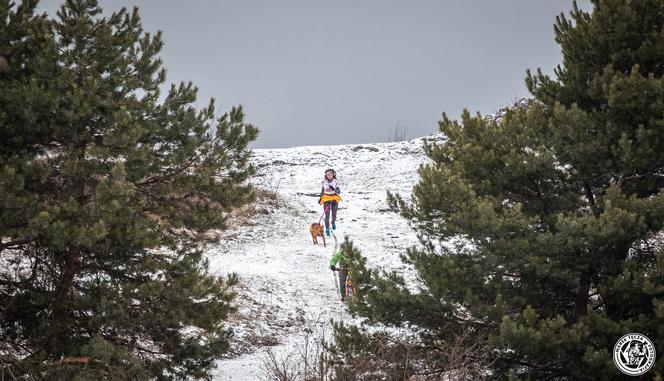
(107, 191)
(561, 209)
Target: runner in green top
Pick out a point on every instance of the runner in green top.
(342, 257)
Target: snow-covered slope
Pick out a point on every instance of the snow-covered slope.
(286, 283)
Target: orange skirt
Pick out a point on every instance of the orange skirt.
(329, 197)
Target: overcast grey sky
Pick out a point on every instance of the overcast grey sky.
(348, 71)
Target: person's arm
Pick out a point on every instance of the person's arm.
(337, 190)
(335, 259)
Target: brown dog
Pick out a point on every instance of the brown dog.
(316, 230)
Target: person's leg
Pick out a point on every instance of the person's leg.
(342, 283)
(327, 207)
(335, 205)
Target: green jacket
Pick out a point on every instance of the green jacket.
(341, 258)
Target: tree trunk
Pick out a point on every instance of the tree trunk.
(581, 303)
(60, 301)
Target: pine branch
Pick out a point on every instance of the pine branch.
(12, 244)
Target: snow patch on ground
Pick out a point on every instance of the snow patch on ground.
(286, 284)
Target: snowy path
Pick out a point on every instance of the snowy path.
(286, 283)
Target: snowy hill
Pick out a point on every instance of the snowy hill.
(286, 284)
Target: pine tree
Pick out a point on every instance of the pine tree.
(542, 232)
(108, 191)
